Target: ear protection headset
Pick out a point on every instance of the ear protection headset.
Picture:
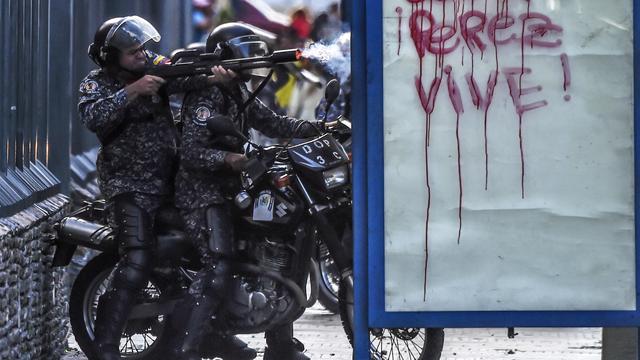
(99, 51)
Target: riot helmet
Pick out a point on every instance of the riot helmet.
(120, 34)
(237, 40)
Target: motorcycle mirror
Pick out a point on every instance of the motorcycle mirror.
(332, 91)
(223, 125)
(330, 95)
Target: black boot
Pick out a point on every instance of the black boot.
(112, 314)
(281, 345)
(194, 326)
(226, 347)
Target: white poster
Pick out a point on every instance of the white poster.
(508, 155)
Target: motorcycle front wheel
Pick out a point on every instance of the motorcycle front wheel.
(141, 338)
(384, 344)
(329, 283)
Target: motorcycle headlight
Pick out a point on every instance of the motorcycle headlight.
(336, 177)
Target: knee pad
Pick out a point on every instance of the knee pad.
(135, 226)
(214, 280)
(220, 227)
(134, 268)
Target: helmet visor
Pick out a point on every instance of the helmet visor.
(250, 47)
(131, 32)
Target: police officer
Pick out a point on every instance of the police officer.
(207, 165)
(130, 114)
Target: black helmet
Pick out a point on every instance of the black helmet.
(119, 34)
(237, 40)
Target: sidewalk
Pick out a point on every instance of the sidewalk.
(322, 334)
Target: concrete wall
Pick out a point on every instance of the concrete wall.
(33, 299)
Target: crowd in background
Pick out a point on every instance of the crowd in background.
(295, 90)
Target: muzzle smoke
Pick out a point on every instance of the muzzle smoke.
(334, 57)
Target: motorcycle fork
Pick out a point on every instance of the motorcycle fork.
(327, 232)
(304, 251)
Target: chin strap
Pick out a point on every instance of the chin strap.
(251, 98)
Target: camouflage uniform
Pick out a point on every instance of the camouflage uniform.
(136, 166)
(203, 175)
(139, 140)
(204, 182)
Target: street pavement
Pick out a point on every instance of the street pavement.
(322, 334)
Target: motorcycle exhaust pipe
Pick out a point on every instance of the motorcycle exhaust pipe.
(76, 231)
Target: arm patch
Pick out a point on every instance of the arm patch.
(201, 114)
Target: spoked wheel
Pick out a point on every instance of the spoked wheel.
(389, 344)
(141, 337)
(406, 343)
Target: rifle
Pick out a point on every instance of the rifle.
(201, 63)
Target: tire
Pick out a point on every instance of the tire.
(88, 286)
(328, 284)
(384, 344)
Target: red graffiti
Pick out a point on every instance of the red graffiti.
(516, 93)
(435, 38)
(438, 29)
(442, 39)
(470, 34)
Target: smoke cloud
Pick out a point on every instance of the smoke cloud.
(334, 56)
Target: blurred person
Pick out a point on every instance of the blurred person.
(328, 25)
(202, 17)
(300, 23)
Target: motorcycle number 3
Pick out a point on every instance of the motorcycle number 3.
(263, 207)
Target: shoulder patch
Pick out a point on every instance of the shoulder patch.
(201, 115)
(90, 86)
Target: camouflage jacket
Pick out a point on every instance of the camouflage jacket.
(203, 178)
(139, 139)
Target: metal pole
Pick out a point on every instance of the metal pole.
(359, 109)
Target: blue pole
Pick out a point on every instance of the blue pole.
(636, 122)
(359, 110)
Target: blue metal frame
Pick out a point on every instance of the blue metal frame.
(369, 207)
(359, 121)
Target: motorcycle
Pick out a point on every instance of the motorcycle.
(290, 195)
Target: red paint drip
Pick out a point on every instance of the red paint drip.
(426, 231)
(486, 150)
(483, 103)
(566, 71)
(399, 12)
(486, 111)
(459, 177)
(444, 18)
(516, 94)
(493, 38)
(456, 101)
(524, 21)
(470, 49)
(435, 76)
(426, 157)
(521, 155)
